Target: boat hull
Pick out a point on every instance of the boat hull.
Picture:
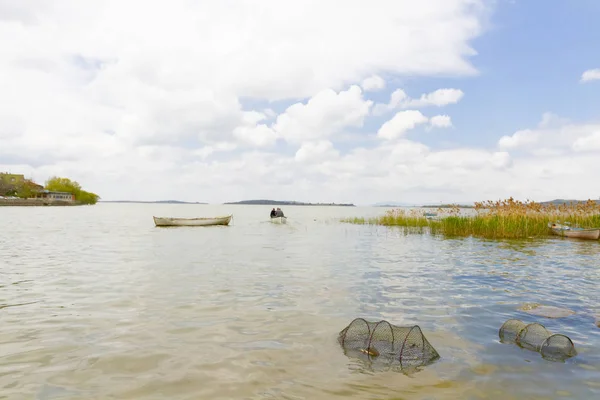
(165, 221)
(279, 220)
(564, 231)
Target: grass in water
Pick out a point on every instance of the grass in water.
(504, 219)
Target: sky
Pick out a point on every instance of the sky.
(380, 101)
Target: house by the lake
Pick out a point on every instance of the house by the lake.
(57, 196)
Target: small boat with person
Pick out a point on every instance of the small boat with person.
(578, 233)
(277, 216)
(204, 221)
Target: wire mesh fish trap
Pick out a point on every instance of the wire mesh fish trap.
(536, 337)
(387, 344)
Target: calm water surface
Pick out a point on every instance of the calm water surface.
(97, 303)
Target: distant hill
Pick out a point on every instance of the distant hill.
(394, 204)
(150, 202)
(448, 205)
(287, 203)
(559, 202)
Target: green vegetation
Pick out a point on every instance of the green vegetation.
(56, 184)
(7, 189)
(27, 189)
(16, 185)
(506, 219)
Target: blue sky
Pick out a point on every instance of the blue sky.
(530, 62)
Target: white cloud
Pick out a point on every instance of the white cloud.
(520, 138)
(500, 159)
(206, 151)
(323, 115)
(553, 136)
(468, 158)
(270, 113)
(441, 121)
(316, 151)
(373, 83)
(254, 134)
(397, 97)
(590, 142)
(402, 122)
(590, 75)
(223, 101)
(550, 119)
(437, 98)
(258, 136)
(90, 66)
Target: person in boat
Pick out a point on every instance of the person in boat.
(273, 212)
(279, 213)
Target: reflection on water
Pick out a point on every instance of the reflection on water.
(96, 302)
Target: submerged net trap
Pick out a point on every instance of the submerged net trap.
(394, 346)
(536, 337)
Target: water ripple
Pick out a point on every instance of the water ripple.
(97, 303)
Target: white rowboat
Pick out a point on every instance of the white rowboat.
(164, 221)
(579, 233)
(279, 220)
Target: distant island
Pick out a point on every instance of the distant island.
(287, 203)
(152, 202)
(395, 204)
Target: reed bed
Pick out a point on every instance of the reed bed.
(503, 219)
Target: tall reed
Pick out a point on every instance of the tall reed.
(509, 219)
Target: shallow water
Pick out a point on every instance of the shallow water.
(97, 303)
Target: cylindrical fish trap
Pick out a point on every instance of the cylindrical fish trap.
(382, 342)
(536, 337)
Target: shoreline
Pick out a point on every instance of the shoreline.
(37, 203)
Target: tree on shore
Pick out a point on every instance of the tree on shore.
(57, 184)
(27, 189)
(7, 189)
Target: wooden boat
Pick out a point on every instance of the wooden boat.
(210, 221)
(579, 233)
(279, 220)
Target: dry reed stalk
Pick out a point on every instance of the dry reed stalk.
(507, 219)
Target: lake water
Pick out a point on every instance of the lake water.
(98, 303)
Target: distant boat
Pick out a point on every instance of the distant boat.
(579, 233)
(165, 221)
(279, 220)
